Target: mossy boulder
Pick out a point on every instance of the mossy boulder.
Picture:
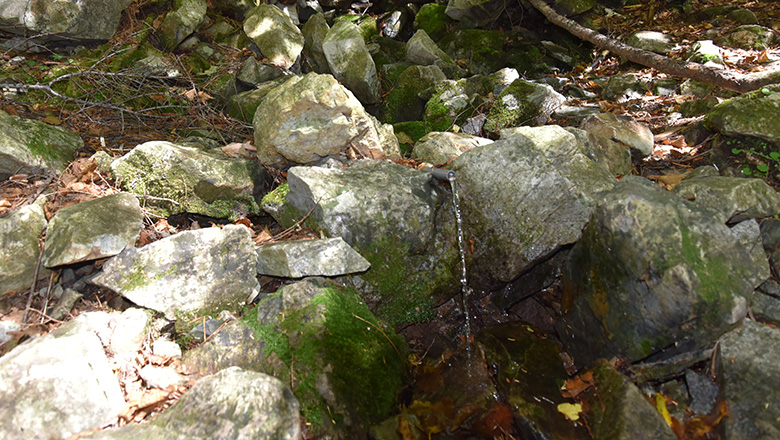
(746, 115)
(480, 51)
(396, 218)
(345, 367)
(432, 19)
(187, 178)
(181, 22)
(27, 145)
(523, 103)
(406, 101)
(640, 287)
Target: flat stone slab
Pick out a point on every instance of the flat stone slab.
(58, 385)
(91, 230)
(192, 270)
(298, 259)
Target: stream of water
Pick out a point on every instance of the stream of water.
(464, 286)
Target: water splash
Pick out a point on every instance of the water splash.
(464, 286)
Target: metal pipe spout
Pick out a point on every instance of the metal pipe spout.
(441, 173)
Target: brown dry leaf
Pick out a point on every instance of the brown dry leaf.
(763, 57)
(576, 385)
(498, 420)
(263, 236)
(405, 430)
(678, 142)
(669, 181)
(196, 95)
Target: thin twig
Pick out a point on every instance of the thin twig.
(32, 287)
(383, 334)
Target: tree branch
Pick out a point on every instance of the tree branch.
(718, 77)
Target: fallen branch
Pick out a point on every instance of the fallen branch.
(718, 77)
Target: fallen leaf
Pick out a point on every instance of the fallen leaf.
(660, 405)
(570, 410)
(576, 385)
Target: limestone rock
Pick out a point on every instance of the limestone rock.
(521, 103)
(275, 34)
(657, 42)
(395, 217)
(181, 23)
(91, 230)
(622, 129)
(211, 268)
(19, 249)
(214, 409)
(27, 146)
(638, 284)
(298, 259)
(63, 21)
(750, 37)
(314, 32)
(439, 147)
(186, 178)
(748, 358)
(312, 116)
(475, 12)
(525, 196)
(422, 50)
(350, 62)
(731, 199)
(58, 385)
(746, 115)
(406, 100)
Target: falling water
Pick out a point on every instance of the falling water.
(464, 286)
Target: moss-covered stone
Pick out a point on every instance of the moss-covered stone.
(345, 367)
(481, 51)
(407, 100)
(187, 179)
(432, 19)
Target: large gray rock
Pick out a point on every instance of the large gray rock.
(422, 50)
(748, 359)
(184, 178)
(181, 23)
(439, 148)
(475, 12)
(524, 196)
(314, 32)
(19, 248)
(211, 268)
(58, 385)
(394, 217)
(747, 115)
(657, 42)
(92, 230)
(731, 199)
(638, 285)
(406, 100)
(622, 129)
(27, 145)
(614, 156)
(63, 21)
(312, 116)
(345, 365)
(750, 37)
(523, 103)
(275, 34)
(350, 62)
(231, 405)
(301, 258)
